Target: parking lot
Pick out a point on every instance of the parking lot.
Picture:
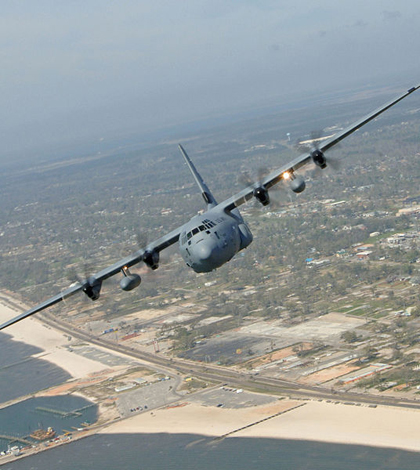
(147, 397)
(228, 397)
(100, 355)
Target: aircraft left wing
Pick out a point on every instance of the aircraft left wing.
(316, 156)
(92, 285)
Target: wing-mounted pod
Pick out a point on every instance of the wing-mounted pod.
(129, 281)
(296, 182)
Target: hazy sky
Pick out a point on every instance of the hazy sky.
(75, 69)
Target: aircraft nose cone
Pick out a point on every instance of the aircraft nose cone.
(205, 250)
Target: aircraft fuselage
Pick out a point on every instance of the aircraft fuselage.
(210, 240)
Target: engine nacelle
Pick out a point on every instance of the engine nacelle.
(151, 259)
(92, 288)
(261, 194)
(319, 158)
(130, 282)
(297, 184)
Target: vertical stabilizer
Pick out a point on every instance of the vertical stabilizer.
(205, 191)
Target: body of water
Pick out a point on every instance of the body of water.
(62, 413)
(21, 374)
(184, 452)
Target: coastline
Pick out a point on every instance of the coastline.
(382, 426)
(53, 343)
(317, 420)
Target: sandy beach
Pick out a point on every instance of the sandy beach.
(313, 421)
(53, 343)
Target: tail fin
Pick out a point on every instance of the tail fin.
(205, 191)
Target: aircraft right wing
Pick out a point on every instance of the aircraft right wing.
(315, 156)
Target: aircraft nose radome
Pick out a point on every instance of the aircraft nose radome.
(204, 251)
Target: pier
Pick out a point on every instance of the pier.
(16, 439)
(62, 413)
(223, 436)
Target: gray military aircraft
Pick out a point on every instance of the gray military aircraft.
(210, 240)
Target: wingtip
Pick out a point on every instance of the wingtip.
(414, 88)
(182, 150)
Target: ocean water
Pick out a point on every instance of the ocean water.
(22, 374)
(184, 452)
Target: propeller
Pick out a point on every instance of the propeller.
(318, 156)
(245, 179)
(138, 241)
(141, 239)
(91, 286)
(151, 258)
(260, 192)
(73, 276)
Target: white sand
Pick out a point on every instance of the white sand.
(382, 426)
(32, 331)
(315, 421)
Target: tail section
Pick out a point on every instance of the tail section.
(205, 191)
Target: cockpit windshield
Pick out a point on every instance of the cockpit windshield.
(205, 227)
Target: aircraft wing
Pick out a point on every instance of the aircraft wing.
(95, 281)
(277, 175)
(48, 303)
